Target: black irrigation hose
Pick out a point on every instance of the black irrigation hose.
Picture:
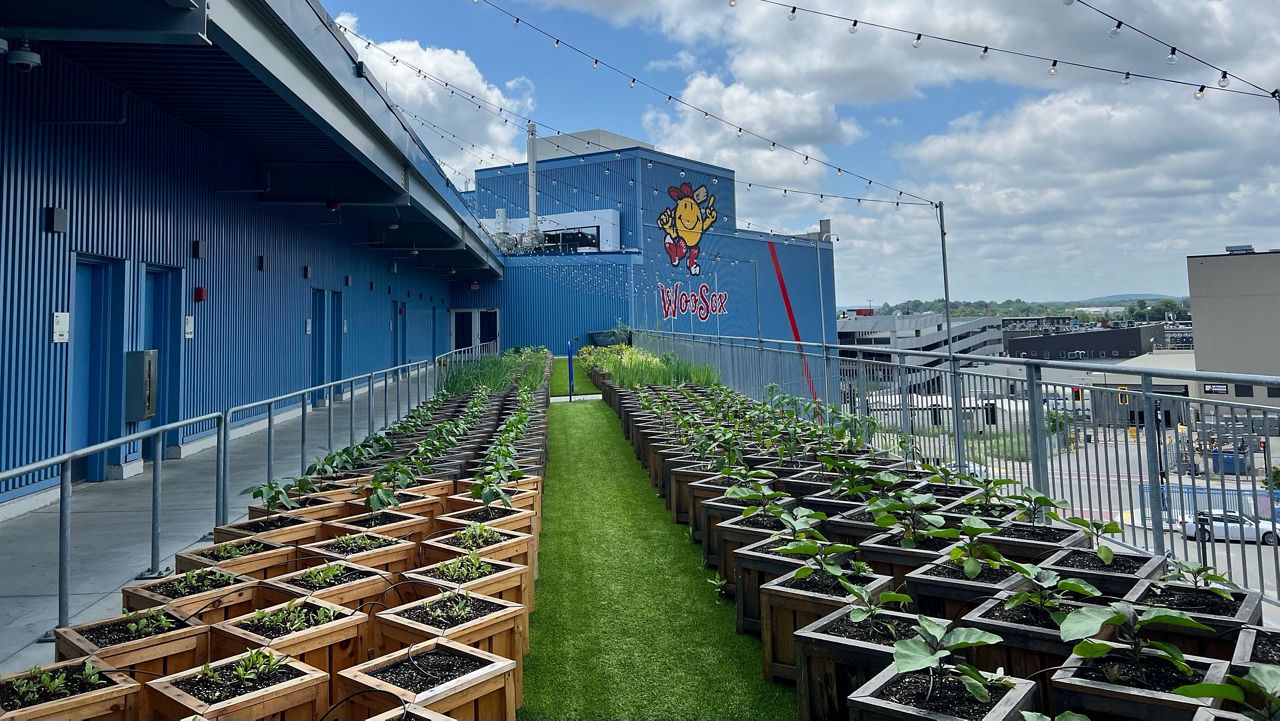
(404, 707)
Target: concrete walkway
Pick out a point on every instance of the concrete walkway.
(111, 524)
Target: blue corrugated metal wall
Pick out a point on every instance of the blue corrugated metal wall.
(138, 194)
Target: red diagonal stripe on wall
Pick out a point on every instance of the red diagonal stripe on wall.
(791, 318)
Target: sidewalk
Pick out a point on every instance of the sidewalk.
(111, 526)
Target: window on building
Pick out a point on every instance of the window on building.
(1273, 392)
(1132, 353)
(572, 240)
(1115, 354)
(1244, 391)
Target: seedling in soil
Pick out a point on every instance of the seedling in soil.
(757, 496)
(797, 525)
(465, 568)
(948, 476)
(1047, 590)
(718, 582)
(289, 619)
(1202, 577)
(869, 609)
(934, 643)
(1257, 692)
(989, 491)
(913, 513)
(827, 559)
(272, 495)
(379, 496)
(1034, 506)
(1130, 664)
(39, 686)
(489, 488)
(477, 536)
(228, 551)
(972, 554)
(356, 543)
(397, 474)
(1095, 530)
(151, 622)
(321, 576)
(202, 579)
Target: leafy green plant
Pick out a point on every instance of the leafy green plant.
(465, 568)
(322, 576)
(971, 554)
(148, 623)
(989, 491)
(1128, 663)
(913, 514)
(379, 496)
(1047, 590)
(1095, 530)
(476, 536)
(234, 549)
(827, 559)
(272, 495)
(1034, 506)
(1200, 576)
(292, 617)
(869, 608)
(1257, 693)
(202, 579)
(357, 543)
(933, 643)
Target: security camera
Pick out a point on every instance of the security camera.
(24, 58)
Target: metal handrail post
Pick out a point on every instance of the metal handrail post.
(329, 445)
(864, 403)
(957, 411)
(1036, 430)
(904, 396)
(386, 403)
(154, 570)
(64, 546)
(224, 447)
(351, 414)
(1155, 499)
(369, 405)
(302, 436)
(399, 383)
(271, 441)
(220, 475)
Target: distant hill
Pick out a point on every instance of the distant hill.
(1126, 298)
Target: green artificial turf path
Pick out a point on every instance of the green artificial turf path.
(627, 626)
(582, 384)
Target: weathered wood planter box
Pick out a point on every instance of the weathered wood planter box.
(713, 512)
(153, 593)
(501, 632)
(299, 697)
(1017, 541)
(731, 535)
(281, 528)
(488, 692)
(518, 520)
(273, 559)
(1103, 701)
(865, 705)
(753, 566)
(830, 667)
(391, 522)
(117, 701)
(1114, 583)
(1220, 643)
(887, 558)
(232, 602)
(785, 610)
(1249, 651)
(313, 505)
(396, 557)
(679, 497)
(329, 647)
(947, 597)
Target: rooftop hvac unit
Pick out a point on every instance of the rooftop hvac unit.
(1239, 249)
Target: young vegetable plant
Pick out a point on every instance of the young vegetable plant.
(827, 559)
(1095, 530)
(1199, 576)
(868, 609)
(972, 554)
(1257, 693)
(1035, 507)
(272, 495)
(989, 491)
(148, 623)
(933, 644)
(1047, 590)
(913, 513)
(1130, 663)
(379, 496)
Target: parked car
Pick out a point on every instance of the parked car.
(1220, 525)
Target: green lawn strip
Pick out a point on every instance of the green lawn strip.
(627, 625)
(582, 384)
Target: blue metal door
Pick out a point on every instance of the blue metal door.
(335, 332)
(86, 396)
(161, 321)
(319, 344)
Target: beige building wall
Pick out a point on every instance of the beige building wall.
(1235, 301)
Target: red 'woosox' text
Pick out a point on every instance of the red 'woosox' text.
(703, 304)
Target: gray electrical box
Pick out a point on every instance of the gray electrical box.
(140, 385)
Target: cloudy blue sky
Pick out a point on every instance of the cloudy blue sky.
(1062, 187)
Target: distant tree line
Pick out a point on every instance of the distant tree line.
(1137, 310)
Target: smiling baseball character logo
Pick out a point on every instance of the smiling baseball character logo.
(684, 224)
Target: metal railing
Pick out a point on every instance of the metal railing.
(447, 362)
(1140, 446)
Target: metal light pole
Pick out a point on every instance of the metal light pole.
(957, 409)
(822, 313)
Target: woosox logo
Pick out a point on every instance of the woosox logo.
(704, 303)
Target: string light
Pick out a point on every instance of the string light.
(1115, 31)
(1200, 93)
(918, 41)
(1053, 68)
(1173, 56)
(792, 15)
(1127, 79)
(853, 28)
(986, 53)
(1224, 81)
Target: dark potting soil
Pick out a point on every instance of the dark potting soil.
(861, 515)
(772, 547)
(1153, 675)
(309, 501)
(425, 671)
(227, 686)
(984, 510)
(1047, 534)
(1266, 648)
(275, 627)
(942, 490)
(346, 575)
(11, 700)
(1089, 561)
(924, 544)
(945, 695)
(953, 571)
(271, 524)
(443, 614)
(719, 482)
(472, 543)
(492, 513)
(1191, 600)
(825, 584)
(877, 631)
(408, 497)
(203, 580)
(761, 521)
(382, 518)
(345, 547)
(1024, 615)
(114, 634)
(222, 551)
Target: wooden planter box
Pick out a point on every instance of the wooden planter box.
(953, 597)
(525, 499)
(410, 712)
(322, 512)
(516, 549)
(117, 702)
(1102, 701)
(355, 595)
(501, 633)
(1030, 550)
(1111, 583)
(425, 505)
(824, 502)
(865, 706)
(400, 524)
(275, 560)
(843, 528)
(183, 648)
(487, 693)
(783, 611)
(436, 488)
(296, 698)
(329, 647)
(509, 582)
(395, 558)
(142, 596)
(729, 536)
(707, 489)
(306, 506)
(1220, 643)
(1242, 657)
(520, 521)
(679, 498)
(887, 558)
(829, 667)
(232, 602)
(302, 530)
(753, 566)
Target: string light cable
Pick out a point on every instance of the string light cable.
(986, 50)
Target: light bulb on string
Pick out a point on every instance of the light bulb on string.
(682, 172)
(739, 132)
(1053, 68)
(1127, 79)
(649, 165)
(853, 27)
(1173, 56)
(986, 53)
(595, 64)
(773, 146)
(918, 41)
(1200, 93)
(1224, 81)
(792, 15)
(733, 3)
(633, 82)
(1115, 31)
